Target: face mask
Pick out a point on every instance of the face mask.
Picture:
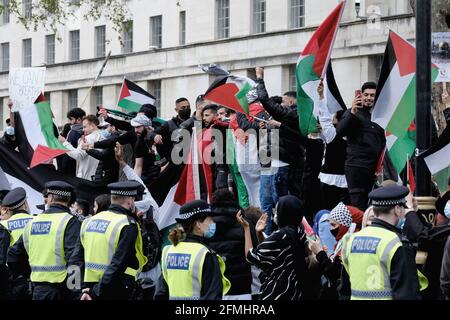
(334, 232)
(209, 233)
(10, 131)
(447, 210)
(400, 223)
(105, 134)
(184, 114)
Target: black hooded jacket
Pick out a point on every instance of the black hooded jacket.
(229, 242)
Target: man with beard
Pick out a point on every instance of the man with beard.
(144, 166)
(365, 143)
(162, 136)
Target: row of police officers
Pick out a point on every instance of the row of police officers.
(52, 256)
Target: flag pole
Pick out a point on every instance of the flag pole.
(423, 94)
(96, 78)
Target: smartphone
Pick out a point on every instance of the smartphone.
(358, 93)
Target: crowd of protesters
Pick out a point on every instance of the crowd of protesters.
(244, 243)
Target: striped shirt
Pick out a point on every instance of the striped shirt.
(282, 260)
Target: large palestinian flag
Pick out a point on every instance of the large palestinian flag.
(229, 90)
(14, 172)
(175, 187)
(132, 97)
(395, 101)
(311, 67)
(437, 159)
(37, 133)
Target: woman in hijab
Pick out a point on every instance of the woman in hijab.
(281, 256)
(340, 220)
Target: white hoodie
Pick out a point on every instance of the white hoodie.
(86, 165)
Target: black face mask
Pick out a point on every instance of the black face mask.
(335, 232)
(184, 114)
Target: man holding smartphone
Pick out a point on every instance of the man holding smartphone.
(366, 142)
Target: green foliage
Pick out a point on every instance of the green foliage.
(50, 14)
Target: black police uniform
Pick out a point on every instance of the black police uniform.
(403, 274)
(19, 286)
(18, 257)
(115, 284)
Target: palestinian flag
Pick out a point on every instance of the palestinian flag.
(311, 67)
(179, 184)
(130, 116)
(332, 94)
(395, 101)
(37, 133)
(242, 150)
(437, 159)
(132, 97)
(14, 172)
(230, 91)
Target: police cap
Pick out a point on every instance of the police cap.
(14, 198)
(59, 188)
(194, 210)
(389, 196)
(130, 188)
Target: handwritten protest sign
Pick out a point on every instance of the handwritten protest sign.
(25, 85)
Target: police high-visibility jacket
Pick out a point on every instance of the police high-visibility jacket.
(182, 267)
(16, 224)
(367, 256)
(99, 236)
(43, 239)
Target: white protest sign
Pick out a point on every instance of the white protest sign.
(440, 55)
(25, 85)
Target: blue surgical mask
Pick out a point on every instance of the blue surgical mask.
(105, 134)
(400, 223)
(447, 210)
(209, 233)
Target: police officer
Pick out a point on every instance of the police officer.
(111, 246)
(4, 245)
(16, 217)
(190, 269)
(17, 213)
(377, 265)
(46, 244)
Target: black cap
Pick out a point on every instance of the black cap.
(194, 210)
(59, 188)
(149, 110)
(128, 188)
(389, 196)
(14, 198)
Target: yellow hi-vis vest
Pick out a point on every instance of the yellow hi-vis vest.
(16, 224)
(43, 239)
(99, 236)
(367, 256)
(182, 267)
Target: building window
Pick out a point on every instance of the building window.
(27, 8)
(98, 96)
(6, 11)
(259, 16)
(50, 48)
(100, 41)
(26, 52)
(223, 19)
(72, 97)
(377, 65)
(75, 45)
(297, 10)
(47, 96)
(5, 56)
(292, 78)
(127, 37)
(183, 27)
(156, 31)
(154, 89)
